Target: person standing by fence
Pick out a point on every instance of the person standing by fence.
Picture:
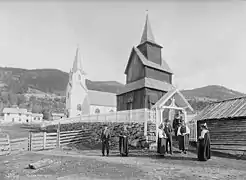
(105, 138)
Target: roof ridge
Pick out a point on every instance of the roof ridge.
(230, 99)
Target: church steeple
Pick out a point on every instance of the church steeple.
(148, 47)
(147, 32)
(77, 64)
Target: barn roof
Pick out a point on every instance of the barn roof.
(163, 67)
(100, 98)
(229, 108)
(146, 82)
(15, 110)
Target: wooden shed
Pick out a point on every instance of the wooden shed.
(226, 121)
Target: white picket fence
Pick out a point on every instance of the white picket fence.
(138, 115)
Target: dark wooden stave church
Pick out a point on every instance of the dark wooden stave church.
(148, 76)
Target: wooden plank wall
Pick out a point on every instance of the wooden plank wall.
(227, 135)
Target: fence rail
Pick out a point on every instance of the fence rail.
(138, 115)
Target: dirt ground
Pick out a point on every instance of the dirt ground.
(89, 164)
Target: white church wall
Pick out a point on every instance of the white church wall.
(102, 109)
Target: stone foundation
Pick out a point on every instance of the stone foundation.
(137, 139)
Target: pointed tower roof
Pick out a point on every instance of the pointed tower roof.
(77, 64)
(147, 32)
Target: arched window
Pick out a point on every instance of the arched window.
(79, 77)
(79, 107)
(111, 110)
(97, 111)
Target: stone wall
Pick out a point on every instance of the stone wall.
(92, 139)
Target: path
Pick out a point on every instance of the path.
(139, 165)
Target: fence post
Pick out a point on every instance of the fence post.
(29, 141)
(58, 135)
(44, 140)
(145, 123)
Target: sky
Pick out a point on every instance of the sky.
(204, 42)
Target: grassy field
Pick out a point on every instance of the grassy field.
(18, 130)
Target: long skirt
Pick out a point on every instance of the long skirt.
(203, 150)
(183, 142)
(161, 146)
(123, 145)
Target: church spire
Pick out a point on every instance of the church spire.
(77, 65)
(147, 33)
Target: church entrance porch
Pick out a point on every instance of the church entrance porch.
(166, 108)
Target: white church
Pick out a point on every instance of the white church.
(82, 101)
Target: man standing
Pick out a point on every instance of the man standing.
(177, 123)
(204, 150)
(168, 132)
(183, 136)
(105, 137)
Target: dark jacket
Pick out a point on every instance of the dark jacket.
(105, 136)
(168, 130)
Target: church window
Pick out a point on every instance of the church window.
(111, 110)
(79, 77)
(97, 111)
(79, 107)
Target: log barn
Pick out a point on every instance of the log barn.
(226, 121)
(148, 76)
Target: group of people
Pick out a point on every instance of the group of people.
(165, 134)
(181, 133)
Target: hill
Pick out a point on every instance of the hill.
(48, 83)
(16, 80)
(212, 92)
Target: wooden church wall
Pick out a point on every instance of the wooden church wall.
(135, 97)
(158, 75)
(154, 54)
(135, 71)
(152, 96)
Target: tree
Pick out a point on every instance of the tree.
(21, 99)
(36, 108)
(13, 99)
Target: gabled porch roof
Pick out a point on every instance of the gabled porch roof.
(180, 100)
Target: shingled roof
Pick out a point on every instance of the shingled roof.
(230, 108)
(146, 82)
(163, 67)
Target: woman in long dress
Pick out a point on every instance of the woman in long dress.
(204, 150)
(161, 146)
(123, 142)
(183, 137)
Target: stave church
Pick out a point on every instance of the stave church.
(148, 79)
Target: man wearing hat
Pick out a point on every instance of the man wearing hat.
(204, 150)
(105, 137)
(168, 132)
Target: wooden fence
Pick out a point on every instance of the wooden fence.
(137, 115)
(8, 145)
